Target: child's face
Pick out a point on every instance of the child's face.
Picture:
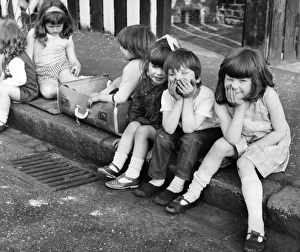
(182, 73)
(127, 55)
(54, 30)
(241, 87)
(156, 74)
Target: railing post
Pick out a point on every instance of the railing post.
(163, 17)
(257, 25)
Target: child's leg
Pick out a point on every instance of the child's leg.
(130, 179)
(143, 135)
(163, 146)
(65, 75)
(124, 148)
(48, 88)
(253, 195)
(191, 146)
(7, 93)
(210, 165)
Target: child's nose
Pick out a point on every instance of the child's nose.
(235, 84)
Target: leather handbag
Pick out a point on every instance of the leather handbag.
(72, 98)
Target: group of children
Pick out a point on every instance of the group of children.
(171, 110)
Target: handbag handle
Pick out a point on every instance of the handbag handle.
(80, 115)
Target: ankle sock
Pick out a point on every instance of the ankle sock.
(157, 182)
(3, 117)
(176, 185)
(135, 167)
(200, 181)
(119, 160)
(253, 194)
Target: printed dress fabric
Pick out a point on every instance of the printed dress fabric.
(257, 124)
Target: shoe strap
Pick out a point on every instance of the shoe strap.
(112, 164)
(254, 235)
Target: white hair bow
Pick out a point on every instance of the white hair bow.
(171, 41)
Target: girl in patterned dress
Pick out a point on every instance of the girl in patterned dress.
(255, 133)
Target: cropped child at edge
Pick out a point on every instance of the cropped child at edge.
(189, 125)
(256, 134)
(145, 119)
(135, 42)
(18, 80)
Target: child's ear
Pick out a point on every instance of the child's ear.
(198, 80)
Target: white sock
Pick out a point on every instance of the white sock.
(157, 182)
(176, 185)
(119, 160)
(200, 181)
(253, 194)
(135, 167)
(3, 117)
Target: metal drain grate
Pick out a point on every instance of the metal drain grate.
(52, 170)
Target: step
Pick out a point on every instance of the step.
(281, 193)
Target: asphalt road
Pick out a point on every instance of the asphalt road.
(92, 217)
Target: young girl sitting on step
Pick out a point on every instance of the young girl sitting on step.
(145, 119)
(135, 41)
(18, 79)
(51, 47)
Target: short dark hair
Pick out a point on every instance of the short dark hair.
(183, 57)
(240, 63)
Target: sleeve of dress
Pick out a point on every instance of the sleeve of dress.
(18, 74)
(130, 77)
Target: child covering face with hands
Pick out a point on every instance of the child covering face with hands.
(188, 125)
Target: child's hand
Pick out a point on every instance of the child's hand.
(75, 70)
(232, 96)
(94, 97)
(186, 88)
(172, 86)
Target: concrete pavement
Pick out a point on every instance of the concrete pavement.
(99, 54)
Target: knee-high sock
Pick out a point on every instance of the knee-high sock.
(253, 194)
(200, 181)
(176, 185)
(119, 160)
(135, 167)
(3, 117)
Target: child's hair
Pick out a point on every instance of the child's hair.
(12, 40)
(54, 18)
(137, 39)
(157, 55)
(244, 63)
(183, 58)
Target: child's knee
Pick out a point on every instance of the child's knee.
(222, 147)
(49, 89)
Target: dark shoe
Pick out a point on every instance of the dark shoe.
(147, 190)
(175, 207)
(109, 173)
(166, 197)
(116, 184)
(252, 244)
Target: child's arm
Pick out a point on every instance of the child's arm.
(278, 120)
(18, 73)
(130, 78)
(76, 66)
(171, 116)
(191, 120)
(30, 44)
